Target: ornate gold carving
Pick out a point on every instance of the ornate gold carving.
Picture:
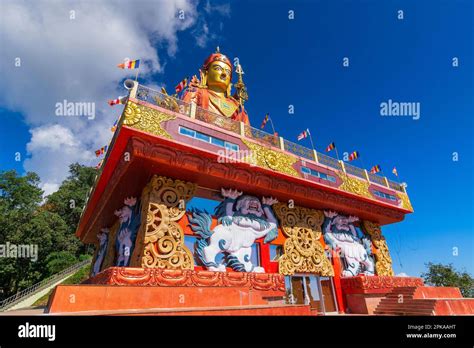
(303, 251)
(267, 158)
(146, 119)
(161, 237)
(383, 261)
(356, 186)
(405, 201)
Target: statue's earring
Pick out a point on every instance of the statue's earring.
(203, 74)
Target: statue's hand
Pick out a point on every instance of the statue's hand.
(269, 200)
(330, 214)
(225, 220)
(229, 193)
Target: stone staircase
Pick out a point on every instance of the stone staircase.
(400, 301)
(424, 301)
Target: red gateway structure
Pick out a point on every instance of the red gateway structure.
(195, 212)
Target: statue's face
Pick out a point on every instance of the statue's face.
(251, 205)
(124, 214)
(218, 76)
(342, 223)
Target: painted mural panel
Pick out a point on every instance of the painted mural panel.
(242, 219)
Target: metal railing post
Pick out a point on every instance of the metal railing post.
(192, 110)
(316, 156)
(281, 141)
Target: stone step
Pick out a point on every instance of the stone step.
(405, 313)
(396, 296)
(406, 299)
(405, 305)
(404, 309)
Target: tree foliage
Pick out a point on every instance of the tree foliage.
(28, 219)
(446, 275)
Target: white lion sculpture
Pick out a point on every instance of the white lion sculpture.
(241, 222)
(340, 234)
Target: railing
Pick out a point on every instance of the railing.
(169, 102)
(217, 120)
(160, 99)
(298, 150)
(257, 134)
(22, 295)
(377, 179)
(329, 161)
(395, 186)
(355, 171)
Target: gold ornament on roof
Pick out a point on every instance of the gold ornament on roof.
(146, 119)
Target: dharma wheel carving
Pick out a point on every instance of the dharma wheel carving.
(160, 242)
(303, 251)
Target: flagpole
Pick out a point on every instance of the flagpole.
(271, 122)
(310, 138)
(337, 154)
(136, 75)
(363, 164)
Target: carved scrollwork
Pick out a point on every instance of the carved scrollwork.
(405, 201)
(355, 186)
(163, 238)
(383, 261)
(264, 157)
(146, 119)
(303, 251)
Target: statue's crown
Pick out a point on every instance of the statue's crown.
(216, 56)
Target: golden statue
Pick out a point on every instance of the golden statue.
(213, 91)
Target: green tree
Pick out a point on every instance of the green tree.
(59, 260)
(26, 220)
(69, 199)
(446, 275)
(19, 200)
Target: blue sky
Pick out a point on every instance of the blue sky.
(299, 62)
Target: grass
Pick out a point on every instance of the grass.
(76, 278)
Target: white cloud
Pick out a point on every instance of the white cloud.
(52, 149)
(49, 188)
(202, 35)
(402, 275)
(221, 9)
(75, 60)
(53, 137)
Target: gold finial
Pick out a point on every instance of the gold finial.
(241, 91)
